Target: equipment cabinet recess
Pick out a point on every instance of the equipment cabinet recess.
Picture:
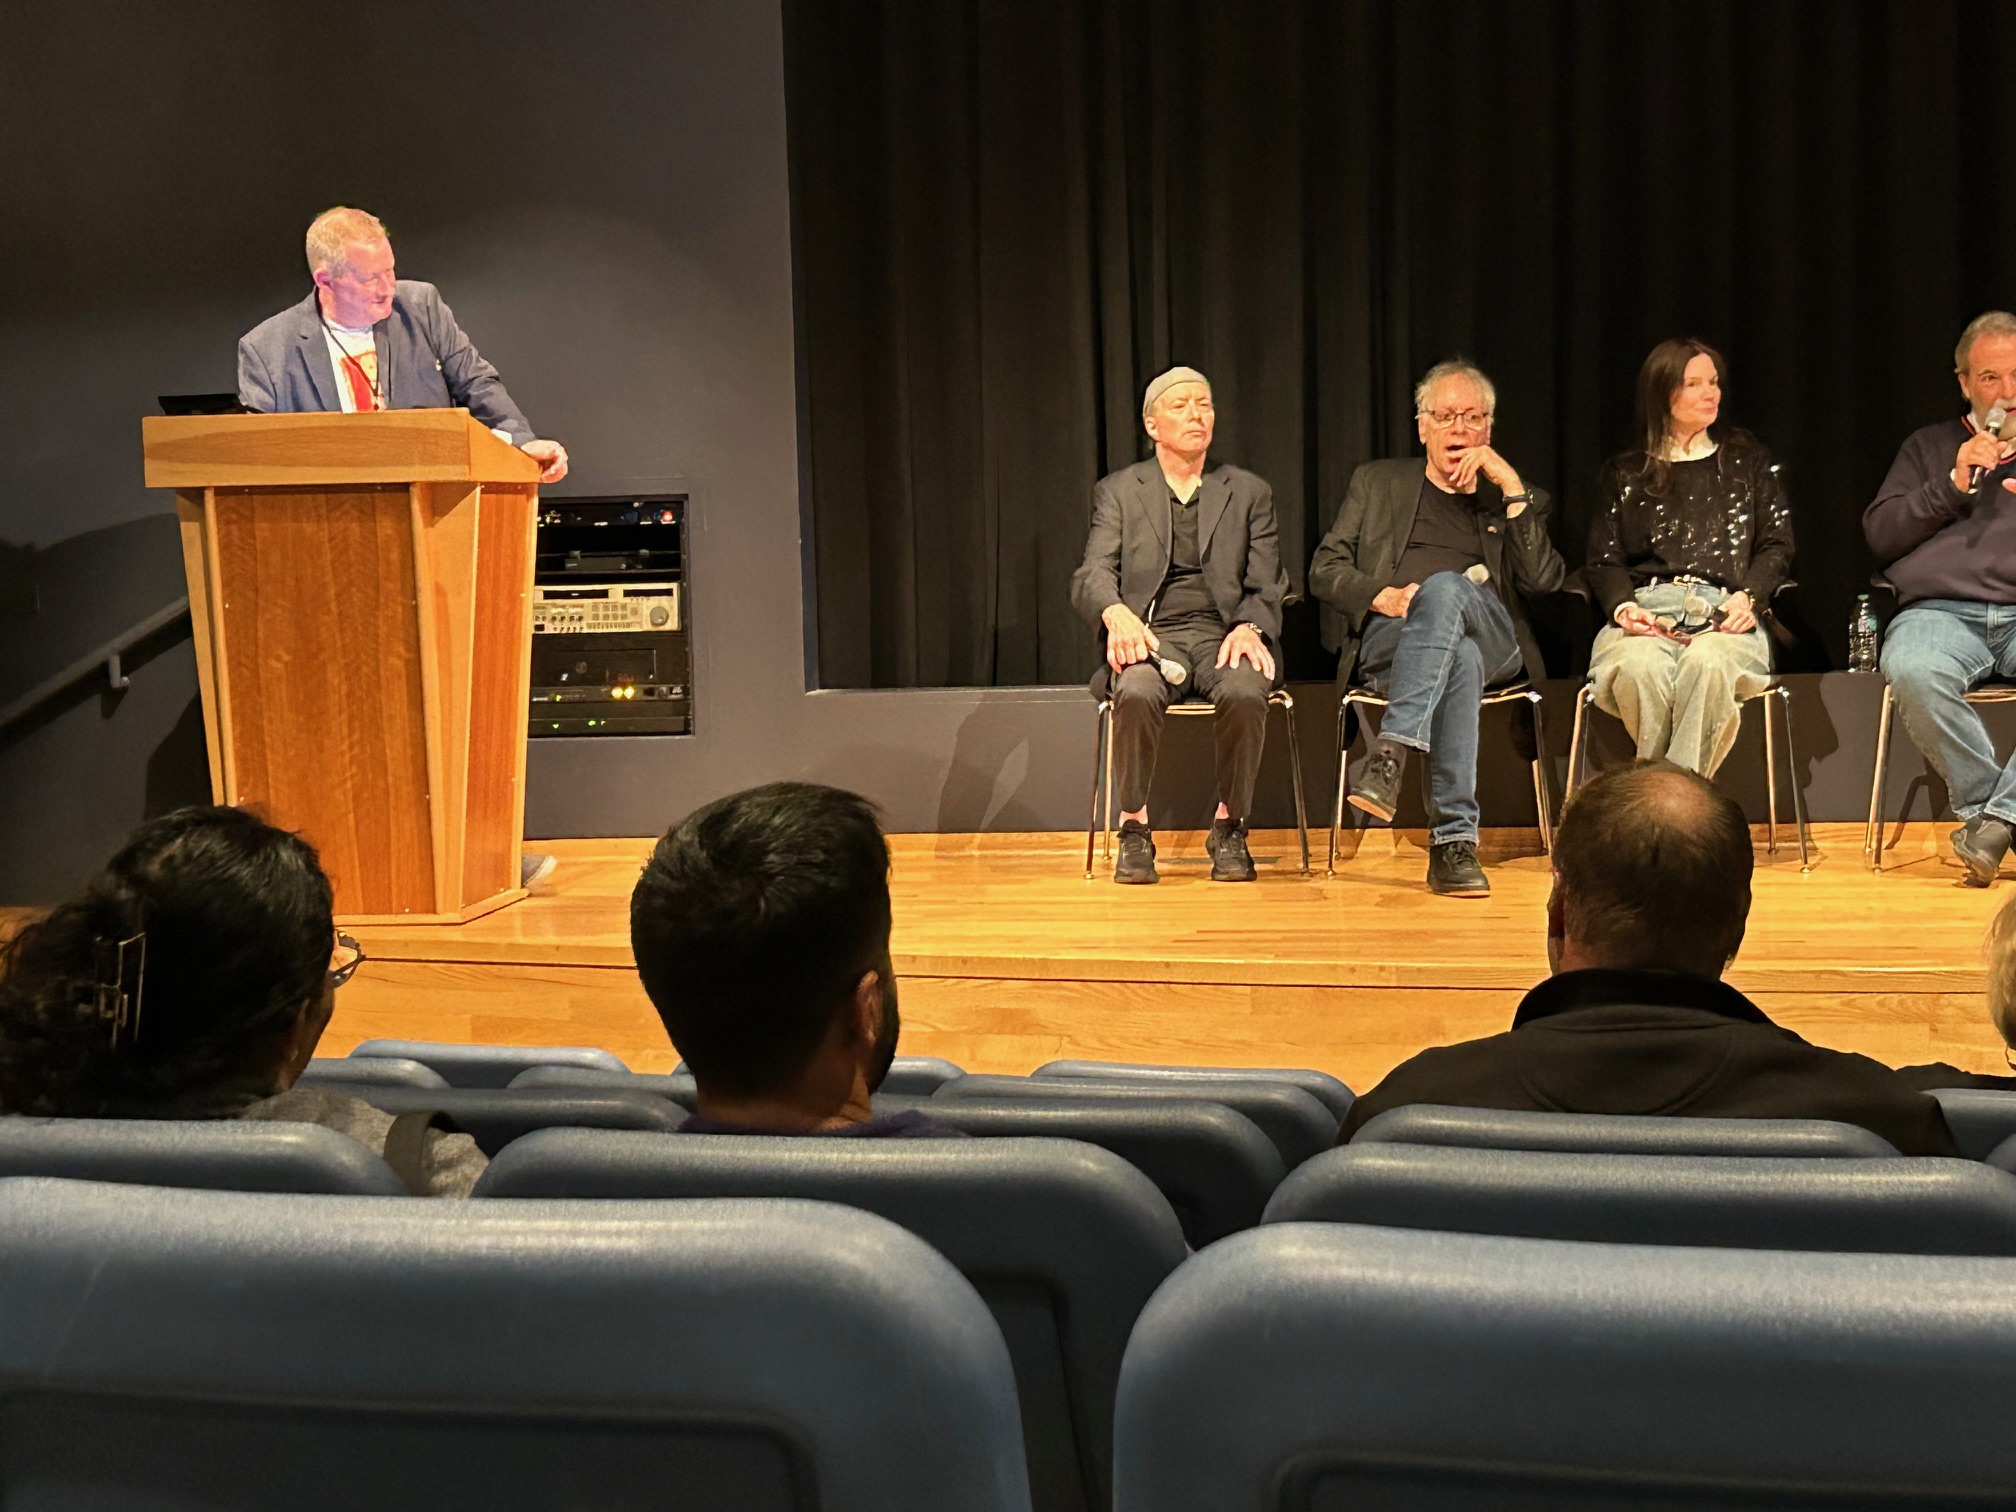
(611, 618)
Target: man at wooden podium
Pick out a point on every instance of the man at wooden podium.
(365, 340)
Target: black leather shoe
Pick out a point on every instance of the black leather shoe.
(1453, 871)
(1137, 853)
(1226, 845)
(1377, 790)
(1981, 844)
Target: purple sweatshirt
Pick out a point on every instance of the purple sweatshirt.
(1934, 542)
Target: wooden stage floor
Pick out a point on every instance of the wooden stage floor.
(1007, 957)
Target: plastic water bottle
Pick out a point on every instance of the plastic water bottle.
(1863, 636)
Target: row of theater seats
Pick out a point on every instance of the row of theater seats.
(1375, 1342)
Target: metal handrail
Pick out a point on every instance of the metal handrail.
(107, 656)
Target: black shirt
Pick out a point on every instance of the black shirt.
(908, 1124)
(1446, 537)
(1183, 600)
(1723, 518)
(1604, 1041)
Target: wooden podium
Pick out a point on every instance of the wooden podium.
(361, 588)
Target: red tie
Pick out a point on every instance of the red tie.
(361, 396)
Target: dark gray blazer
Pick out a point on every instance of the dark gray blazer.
(1127, 554)
(1365, 544)
(424, 362)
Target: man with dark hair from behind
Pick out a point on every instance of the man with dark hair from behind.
(1651, 893)
(761, 931)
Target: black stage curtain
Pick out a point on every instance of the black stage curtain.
(1009, 217)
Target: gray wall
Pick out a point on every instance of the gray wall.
(602, 193)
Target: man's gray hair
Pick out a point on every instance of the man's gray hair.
(1988, 323)
(1455, 367)
(2000, 948)
(332, 233)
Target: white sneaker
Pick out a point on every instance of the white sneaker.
(534, 869)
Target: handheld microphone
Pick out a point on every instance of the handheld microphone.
(1173, 673)
(1991, 424)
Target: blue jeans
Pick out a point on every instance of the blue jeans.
(1936, 650)
(1433, 667)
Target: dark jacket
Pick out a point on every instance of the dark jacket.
(424, 362)
(1373, 527)
(1658, 1042)
(1127, 554)
(1934, 542)
(1737, 535)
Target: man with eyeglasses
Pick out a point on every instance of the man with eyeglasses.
(1182, 578)
(365, 340)
(1423, 570)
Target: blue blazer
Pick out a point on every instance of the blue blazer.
(424, 362)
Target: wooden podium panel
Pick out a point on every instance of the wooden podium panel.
(364, 643)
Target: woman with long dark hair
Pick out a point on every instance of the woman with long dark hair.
(192, 978)
(1692, 537)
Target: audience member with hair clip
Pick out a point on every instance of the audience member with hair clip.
(761, 932)
(192, 978)
(1691, 538)
(1651, 895)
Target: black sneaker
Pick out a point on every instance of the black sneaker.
(1453, 871)
(1226, 846)
(1377, 790)
(1981, 844)
(1137, 853)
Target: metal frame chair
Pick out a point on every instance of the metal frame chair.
(1102, 773)
(1872, 833)
(1578, 755)
(1543, 793)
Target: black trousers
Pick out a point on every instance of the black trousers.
(1238, 694)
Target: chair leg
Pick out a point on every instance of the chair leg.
(1337, 813)
(1770, 777)
(1098, 771)
(1577, 735)
(1872, 837)
(1106, 803)
(1295, 771)
(1543, 787)
(1792, 772)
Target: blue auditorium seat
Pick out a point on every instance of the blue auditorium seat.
(676, 1085)
(1320, 1367)
(487, 1065)
(1321, 1085)
(1298, 1123)
(219, 1350)
(1619, 1133)
(1214, 1165)
(1920, 1205)
(222, 1154)
(1979, 1118)
(340, 1071)
(1064, 1242)
(493, 1117)
(909, 1075)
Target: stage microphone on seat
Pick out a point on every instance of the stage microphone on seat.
(1991, 424)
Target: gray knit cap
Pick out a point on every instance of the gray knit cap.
(1157, 387)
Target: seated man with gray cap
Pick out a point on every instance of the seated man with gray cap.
(1182, 577)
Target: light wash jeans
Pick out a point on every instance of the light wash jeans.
(1935, 650)
(1433, 667)
(1681, 700)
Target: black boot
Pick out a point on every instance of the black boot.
(1137, 853)
(1226, 845)
(1453, 871)
(1377, 790)
(1981, 844)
